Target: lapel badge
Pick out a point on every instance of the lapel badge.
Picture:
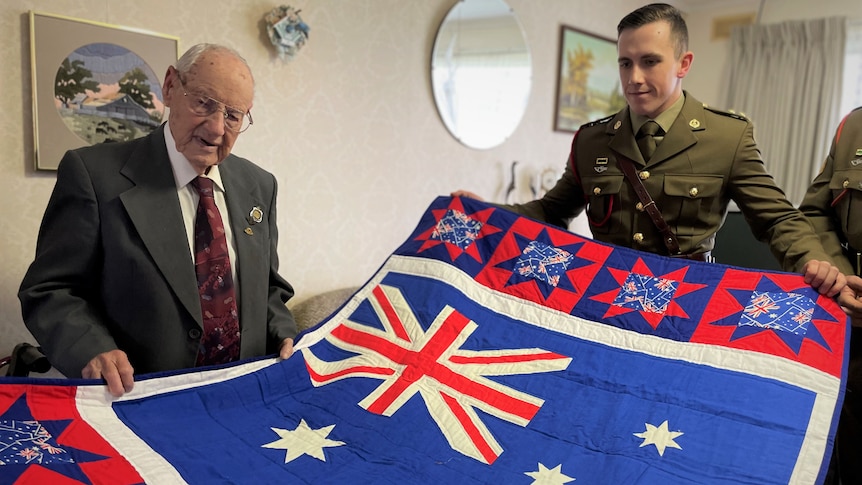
(255, 216)
(249, 231)
(602, 161)
(855, 161)
(859, 152)
(618, 124)
(694, 124)
(600, 169)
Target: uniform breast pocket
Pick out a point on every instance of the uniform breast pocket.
(846, 186)
(603, 199)
(691, 202)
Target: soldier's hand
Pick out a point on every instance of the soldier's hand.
(824, 277)
(465, 193)
(114, 367)
(850, 299)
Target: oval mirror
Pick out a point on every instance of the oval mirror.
(481, 72)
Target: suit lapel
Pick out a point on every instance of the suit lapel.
(154, 209)
(242, 194)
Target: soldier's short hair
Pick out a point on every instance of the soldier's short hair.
(656, 12)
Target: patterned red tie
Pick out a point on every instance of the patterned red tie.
(220, 340)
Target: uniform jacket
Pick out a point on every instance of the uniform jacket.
(840, 181)
(706, 159)
(113, 268)
(833, 204)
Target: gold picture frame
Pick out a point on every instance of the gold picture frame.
(588, 81)
(93, 82)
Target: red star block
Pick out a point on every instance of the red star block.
(641, 268)
(455, 251)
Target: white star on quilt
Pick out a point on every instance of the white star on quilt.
(659, 436)
(546, 476)
(303, 441)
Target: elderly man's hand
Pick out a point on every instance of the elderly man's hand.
(285, 350)
(114, 367)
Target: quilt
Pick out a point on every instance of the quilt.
(487, 348)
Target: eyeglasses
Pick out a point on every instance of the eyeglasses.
(234, 119)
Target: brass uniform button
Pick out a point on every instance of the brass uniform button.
(597, 190)
(639, 206)
(644, 175)
(638, 238)
(846, 184)
(693, 192)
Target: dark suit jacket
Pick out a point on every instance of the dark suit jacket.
(707, 158)
(113, 267)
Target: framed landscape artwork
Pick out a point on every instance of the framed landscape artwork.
(93, 83)
(588, 81)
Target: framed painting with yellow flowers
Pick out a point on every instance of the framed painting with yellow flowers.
(588, 81)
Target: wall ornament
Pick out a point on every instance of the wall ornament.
(287, 32)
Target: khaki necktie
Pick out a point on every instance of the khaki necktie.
(646, 138)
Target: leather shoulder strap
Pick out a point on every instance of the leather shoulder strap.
(669, 238)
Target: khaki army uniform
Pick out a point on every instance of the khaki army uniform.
(833, 204)
(705, 159)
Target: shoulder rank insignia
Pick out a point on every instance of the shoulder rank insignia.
(600, 122)
(730, 113)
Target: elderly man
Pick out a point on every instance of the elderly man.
(160, 253)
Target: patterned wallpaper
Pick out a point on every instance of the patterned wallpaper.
(349, 127)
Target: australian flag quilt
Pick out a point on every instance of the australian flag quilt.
(487, 349)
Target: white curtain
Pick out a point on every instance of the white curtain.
(786, 78)
(852, 97)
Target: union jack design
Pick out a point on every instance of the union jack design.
(543, 262)
(788, 312)
(457, 228)
(761, 304)
(646, 293)
(453, 382)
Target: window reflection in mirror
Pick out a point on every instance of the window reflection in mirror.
(481, 72)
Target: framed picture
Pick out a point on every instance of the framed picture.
(588, 82)
(93, 83)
